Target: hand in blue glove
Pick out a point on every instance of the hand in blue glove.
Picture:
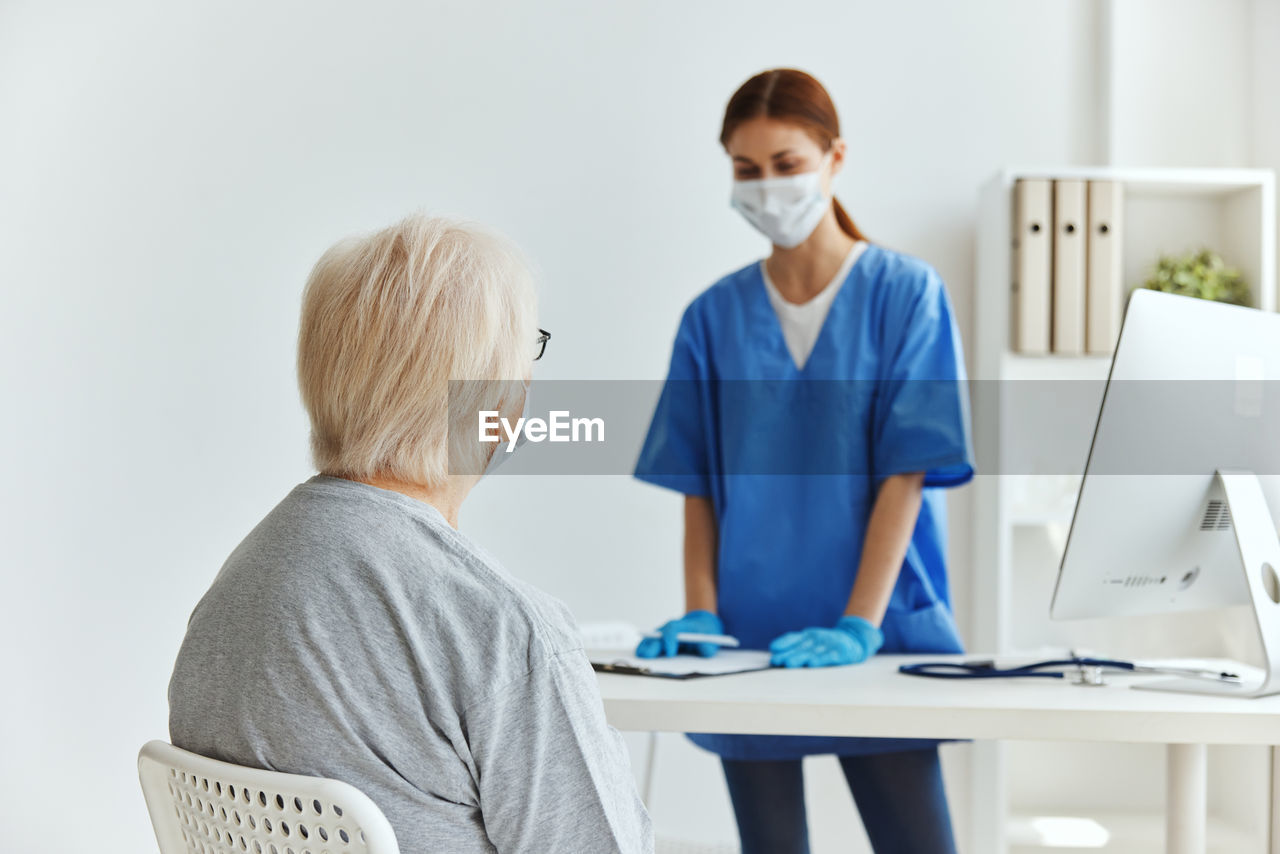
(852, 641)
(701, 622)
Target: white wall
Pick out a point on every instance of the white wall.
(169, 173)
(1182, 82)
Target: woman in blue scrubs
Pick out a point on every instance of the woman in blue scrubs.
(813, 412)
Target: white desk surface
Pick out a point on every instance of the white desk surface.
(873, 699)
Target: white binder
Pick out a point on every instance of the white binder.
(1105, 288)
(1068, 267)
(1030, 306)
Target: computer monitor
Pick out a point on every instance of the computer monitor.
(1180, 502)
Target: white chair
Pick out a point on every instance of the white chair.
(202, 806)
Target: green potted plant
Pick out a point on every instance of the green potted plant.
(1202, 274)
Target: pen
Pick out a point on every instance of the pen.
(696, 637)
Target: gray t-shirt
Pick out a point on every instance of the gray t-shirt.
(355, 635)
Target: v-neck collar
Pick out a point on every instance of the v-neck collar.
(778, 338)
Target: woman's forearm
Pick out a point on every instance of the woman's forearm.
(700, 537)
(893, 519)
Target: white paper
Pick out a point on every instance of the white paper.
(723, 662)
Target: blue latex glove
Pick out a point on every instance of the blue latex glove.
(702, 622)
(852, 641)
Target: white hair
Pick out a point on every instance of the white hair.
(388, 321)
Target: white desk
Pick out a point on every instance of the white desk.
(873, 699)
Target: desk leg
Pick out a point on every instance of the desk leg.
(1273, 803)
(1186, 798)
(646, 790)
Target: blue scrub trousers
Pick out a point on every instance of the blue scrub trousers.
(899, 796)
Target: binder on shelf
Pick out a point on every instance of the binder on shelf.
(1069, 267)
(1104, 299)
(1030, 307)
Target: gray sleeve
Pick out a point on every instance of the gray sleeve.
(553, 775)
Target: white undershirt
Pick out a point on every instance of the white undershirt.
(802, 323)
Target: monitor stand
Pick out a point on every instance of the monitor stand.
(1259, 547)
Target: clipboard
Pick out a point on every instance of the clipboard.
(724, 663)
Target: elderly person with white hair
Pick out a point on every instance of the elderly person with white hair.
(355, 633)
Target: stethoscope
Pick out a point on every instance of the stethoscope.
(1083, 670)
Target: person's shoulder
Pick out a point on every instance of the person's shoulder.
(501, 630)
(731, 285)
(908, 274)
(728, 288)
(544, 620)
(904, 286)
(449, 593)
(722, 298)
(518, 622)
(515, 600)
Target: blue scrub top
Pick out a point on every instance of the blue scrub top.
(792, 458)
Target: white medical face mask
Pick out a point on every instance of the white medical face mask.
(500, 452)
(785, 210)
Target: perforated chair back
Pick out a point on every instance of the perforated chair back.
(202, 806)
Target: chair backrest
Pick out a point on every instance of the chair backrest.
(202, 806)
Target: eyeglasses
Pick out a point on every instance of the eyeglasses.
(541, 344)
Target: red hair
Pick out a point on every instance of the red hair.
(790, 96)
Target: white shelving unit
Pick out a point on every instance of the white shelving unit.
(1021, 520)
